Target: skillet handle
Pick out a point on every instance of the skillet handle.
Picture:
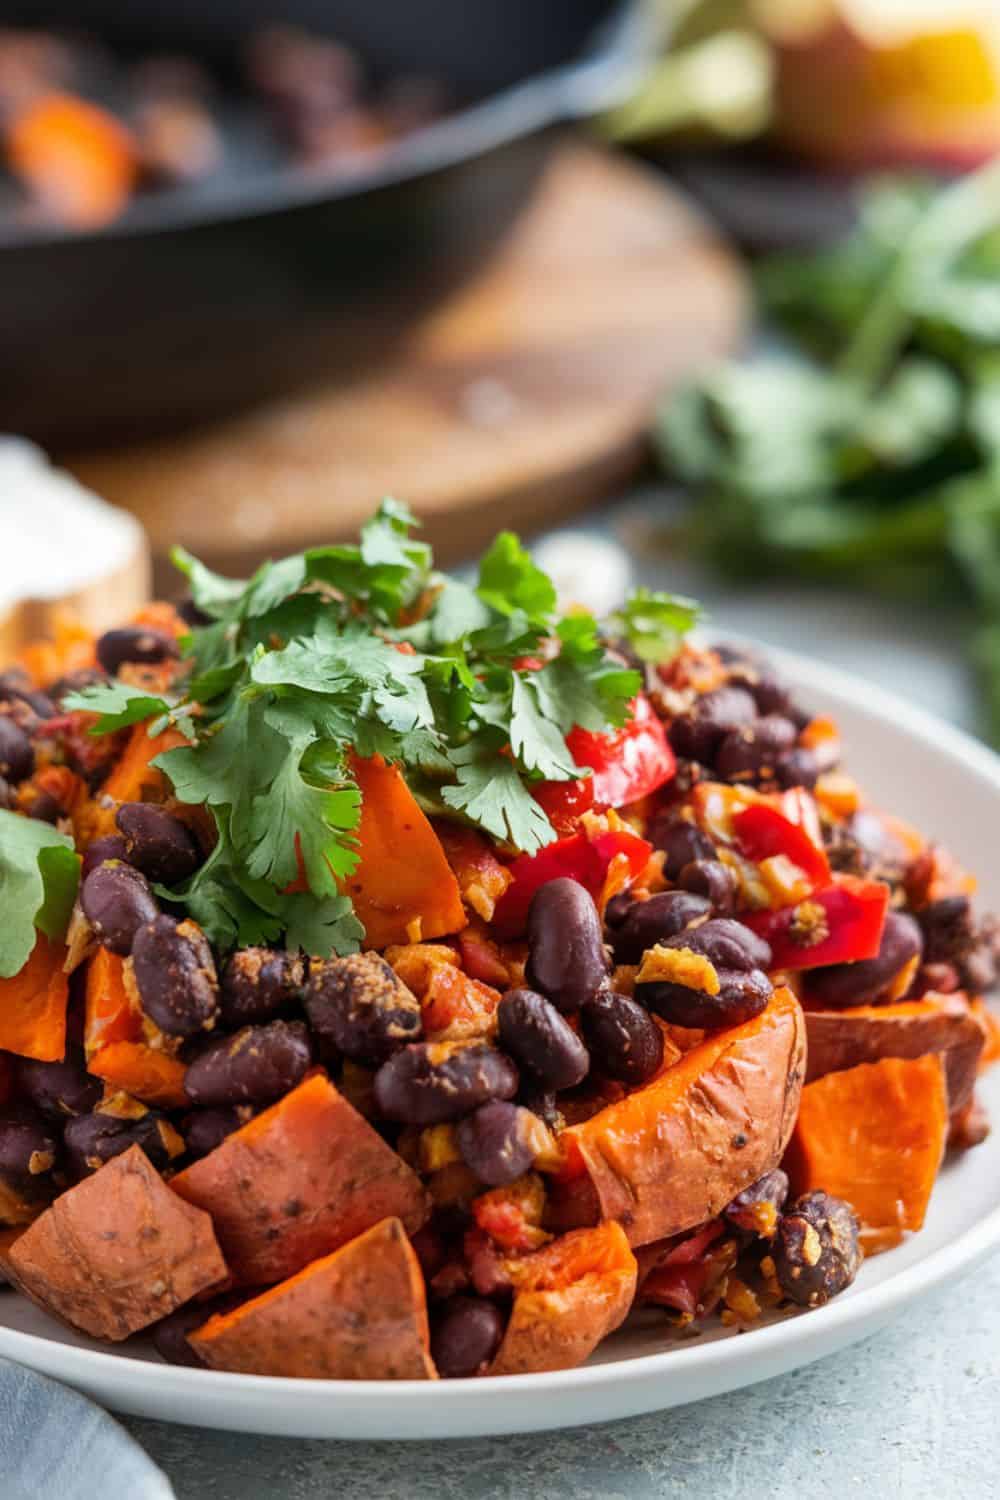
(621, 55)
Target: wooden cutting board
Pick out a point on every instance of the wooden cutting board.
(523, 398)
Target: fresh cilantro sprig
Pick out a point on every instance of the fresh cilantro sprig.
(39, 874)
(362, 650)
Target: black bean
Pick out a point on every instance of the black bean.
(947, 928)
(840, 985)
(466, 1336)
(617, 909)
(157, 843)
(110, 846)
(134, 643)
(59, 1089)
(175, 976)
(566, 958)
(771, 696)
(495, 1142)
(257, 984)
(256, 1066)
(427, 1084)
(16, 689)
(757, 1208)
(541, 1102)
(650, 922)
(743, 994)
(624, 1042)
(755, 749)
(192, 614)
(91, 1140)
(17, 758)
(117, 901)
(817, 1252)
(362, 1006)
(28, 1145)
(798, 767)
(170, 1334)
(727, 944)
(713, 880)
(697, 734)
(75, 682)
(44, 808)
(204, 1129)
(680, 841)
(539, 1039)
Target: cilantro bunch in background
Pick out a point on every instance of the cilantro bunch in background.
(867, 452)
(364, 650)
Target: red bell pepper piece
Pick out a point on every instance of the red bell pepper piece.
(787, 825)
(679, 1280)
(579, 857)
(627, 763)
(837, 925)
(565, 802)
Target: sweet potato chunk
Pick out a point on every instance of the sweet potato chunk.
(298, 1181)
(568, 1297)
(118, 1251)
(358, 1314)
(673, 1153)
(874, 1135)
(840, 1039)
(33, 1004)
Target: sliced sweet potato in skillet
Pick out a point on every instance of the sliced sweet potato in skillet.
(117, 1252)
(298, 1181)
(358, 1314)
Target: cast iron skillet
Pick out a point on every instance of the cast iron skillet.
(190, 307)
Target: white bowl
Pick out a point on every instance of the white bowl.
(915, 766)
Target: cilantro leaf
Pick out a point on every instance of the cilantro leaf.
(458, 611)
(292, 818)
(510, 581)
(212, 593)
(534, 739)
(654, 623)
(490, 792)
(118, 705)
(39, 875)
(322, 927)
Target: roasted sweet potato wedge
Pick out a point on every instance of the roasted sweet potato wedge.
(840, 1039)
(673, 1153)
(358, 1314)
(568, 1297)
(118, 1251)
(298, 1181)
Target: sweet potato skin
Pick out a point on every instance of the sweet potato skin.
(866, 1033)
(673, 1153)
(297, 1182)
(559, 1317)
(117, 1252)
(359, 1313)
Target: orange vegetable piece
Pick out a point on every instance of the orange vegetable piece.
(109, 1014)
(300, 1180)
(482, 879)
(672, 1154)
(146, 1073)
(134, 779)
(118, 1251)
(159, 615)
(6, 1078)
(990, 1023)
(71, 648)
(875, 1136)
(568, 1297)
(357, 1314)
(403, 888)
(33, 1004)
(76, 159)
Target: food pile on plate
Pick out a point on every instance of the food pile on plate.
(403, 980)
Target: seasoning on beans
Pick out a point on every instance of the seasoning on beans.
(713, 880)
(496, 1141)
(59, 1089)
(91, 1140)
(258, 984)
(650, 922)
(429, 1083)
(697, 734)
(258, 1064)
(175, 976)
(362, 1006)
(157, 843)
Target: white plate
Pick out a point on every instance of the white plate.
(917, 767)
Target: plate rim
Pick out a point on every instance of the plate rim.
(837, 1320)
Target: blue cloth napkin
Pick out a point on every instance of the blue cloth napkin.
(57, 1445)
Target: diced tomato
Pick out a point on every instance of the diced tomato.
(579, 857)
(787, 825)
(839, 924)
(627, 763)
(482, 959)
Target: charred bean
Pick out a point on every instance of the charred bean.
(257, 984)
(757, 1209)
(204, 1129)
(726, 944)
(495, 1142)
(566, 961)
(256, 1066)
(175, 976)
(17, 758)
(755, 749)
(59, 1089)
(157, 843)
(798, 767)
(466, 1336)
(28, 1145)
(663, 916)
(111, 846)
(362, 1006)
(680, 841)
(91, 1140)
(134, 643)
(625, 1043)
(540, 1040)
(817, 1252)
(743, 994)
(428, 1084)
(697, 734)
(117, 901)
(713, 880)
(840, 985)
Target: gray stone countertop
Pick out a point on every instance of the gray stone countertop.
(913, 1412)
